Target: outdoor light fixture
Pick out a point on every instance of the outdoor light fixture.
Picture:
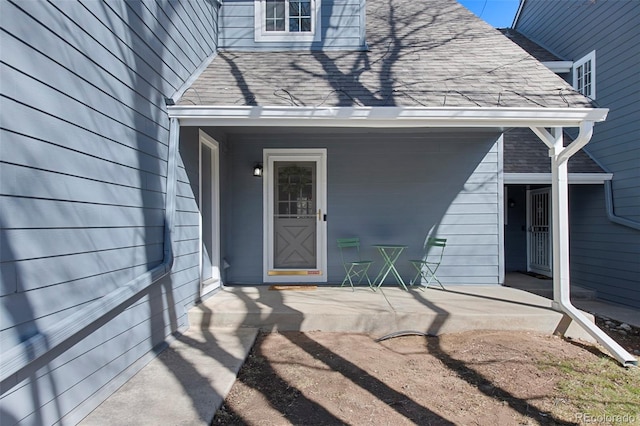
(257, 170)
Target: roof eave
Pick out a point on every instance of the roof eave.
(559, 67)
(388, 117)
(545, 178)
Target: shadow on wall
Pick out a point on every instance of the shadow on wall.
(39, 392)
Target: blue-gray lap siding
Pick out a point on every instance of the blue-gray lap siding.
(84, 152)
(614, 273)
(385, 187)
(572, 30)
(342, 27)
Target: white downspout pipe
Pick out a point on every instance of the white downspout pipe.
(560, 210)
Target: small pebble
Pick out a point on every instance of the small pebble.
(625, 327)
(624, 333)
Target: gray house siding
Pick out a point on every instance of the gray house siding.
(342, 23)
(613, 273)
(385, 187)
(83, 169)
(572, 30)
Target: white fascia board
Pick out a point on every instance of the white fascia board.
(559, 67)
(545, 178)
(288, 116)
(517, 17)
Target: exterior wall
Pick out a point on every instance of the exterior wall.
(515, 230)
(83, 189)
(342, 27)
(613, 273)
(572, 30)
(385, 187)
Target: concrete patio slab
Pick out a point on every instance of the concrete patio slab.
(390, 309)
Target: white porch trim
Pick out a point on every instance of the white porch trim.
(389, 117)
(545, 178)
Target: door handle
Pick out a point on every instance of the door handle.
(321, 217)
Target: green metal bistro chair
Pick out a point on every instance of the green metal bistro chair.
(429, 264)
(354, 266)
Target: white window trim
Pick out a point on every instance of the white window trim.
(590, 57)
(261, 35)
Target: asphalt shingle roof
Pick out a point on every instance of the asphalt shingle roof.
(533, 48)
(420, 53)
(524, 152)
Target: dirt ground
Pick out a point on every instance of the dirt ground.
(473, 378)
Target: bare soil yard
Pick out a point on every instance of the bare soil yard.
(473, 378)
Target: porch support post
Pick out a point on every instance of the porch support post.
(560, 220)
(560, 229)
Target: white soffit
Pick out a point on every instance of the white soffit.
(559, 67)
(190, 115)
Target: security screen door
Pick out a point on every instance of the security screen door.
(540, 253)
(296, 218)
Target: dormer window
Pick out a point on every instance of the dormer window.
(287, 20)
(584, 75)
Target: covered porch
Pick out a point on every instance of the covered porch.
(546, 123)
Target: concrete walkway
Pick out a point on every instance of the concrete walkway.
(184, 385)
(584, 299)
(188, 381)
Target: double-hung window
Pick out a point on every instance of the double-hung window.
(584, 75)
(287, 20)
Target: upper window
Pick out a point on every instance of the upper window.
(584, 75)
(287, 20)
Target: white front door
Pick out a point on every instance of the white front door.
(539, 236)
(209, 205)
(295, 215)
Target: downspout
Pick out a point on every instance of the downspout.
(611, 215)
(561, 283)
(28, 351)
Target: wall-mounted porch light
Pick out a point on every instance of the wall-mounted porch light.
(257, 170)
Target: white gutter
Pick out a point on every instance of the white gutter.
(559, 67)
(389, 117)
(26, 352)
(560, 208)
(545, 178)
